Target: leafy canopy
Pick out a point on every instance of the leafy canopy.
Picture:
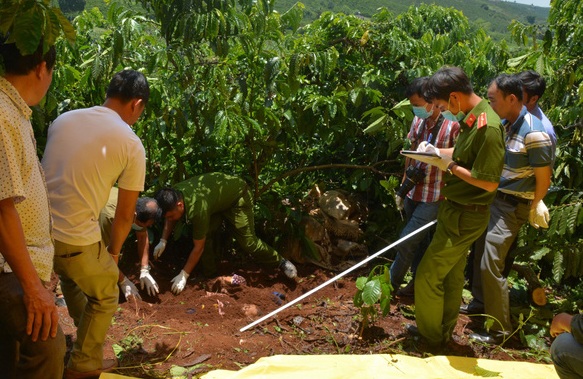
(26, 22)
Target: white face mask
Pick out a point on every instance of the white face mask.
(422, 112)
(453, 117)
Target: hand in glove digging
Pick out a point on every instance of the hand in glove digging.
(179, 282)
(159, 249)
(129, 289)
(147, 281)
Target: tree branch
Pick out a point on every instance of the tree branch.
(316, 168)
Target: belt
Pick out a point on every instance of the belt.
(470, 207)
(512, 199)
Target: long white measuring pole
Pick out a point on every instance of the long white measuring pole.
(294, 301)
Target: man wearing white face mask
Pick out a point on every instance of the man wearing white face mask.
(473, 169)
(419, 194)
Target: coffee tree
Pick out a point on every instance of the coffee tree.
(240, 88)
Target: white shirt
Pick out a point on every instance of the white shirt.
(87, 152)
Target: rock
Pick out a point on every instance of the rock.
(335, 204)
(349, 248)
(298, 320)
(314, 230)
(344, 229)
(251, 310)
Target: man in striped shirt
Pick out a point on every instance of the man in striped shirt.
(524, 182)
(533, 87)
(421, 202)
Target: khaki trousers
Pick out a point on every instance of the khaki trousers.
(89, 278)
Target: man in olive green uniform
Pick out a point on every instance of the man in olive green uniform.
(473, 170)
(202, 200)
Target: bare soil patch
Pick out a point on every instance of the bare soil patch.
(199, 328)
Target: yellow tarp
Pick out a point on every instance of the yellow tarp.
(383, 366)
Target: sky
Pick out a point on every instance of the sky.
(538, 3)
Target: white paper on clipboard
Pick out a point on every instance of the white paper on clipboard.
(413, 154)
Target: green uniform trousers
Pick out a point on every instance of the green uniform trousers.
(89, 278)
(240, 223)
(440, 276)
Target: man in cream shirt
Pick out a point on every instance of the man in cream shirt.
(87, 152)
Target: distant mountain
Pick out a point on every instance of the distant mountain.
(492, 15)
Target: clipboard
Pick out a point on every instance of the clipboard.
(413, 153)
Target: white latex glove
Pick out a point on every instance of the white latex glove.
(129, 289)
(426, 147)
(399, 202)
(147, 281)
(442, 162)
(159, 249)
(179, 282)
(539, 216)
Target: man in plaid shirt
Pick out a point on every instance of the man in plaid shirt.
(421, 202)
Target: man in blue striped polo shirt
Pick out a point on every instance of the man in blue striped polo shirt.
(525, 180)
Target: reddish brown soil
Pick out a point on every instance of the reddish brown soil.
(201, 325)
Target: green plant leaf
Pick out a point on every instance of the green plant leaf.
(385, 305)
(390, 184)
(539, 253)
(293, 17)
(52, 29)
(535, 342)
(361, 282)
(117, 349)
(372, 292)
(7, 16)
(178, 372)
(376, 125)
(488, 323)
(387, 276)
(572, 218)
(403, 104)
(558, 269)
(517, 61)
(27, 30)
(357, 300)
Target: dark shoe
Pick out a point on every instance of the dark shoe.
(108, 365)
(494, 338)
(424, 346)
(288, 268)
(407, 291)
(471, 309)
(412, 330)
